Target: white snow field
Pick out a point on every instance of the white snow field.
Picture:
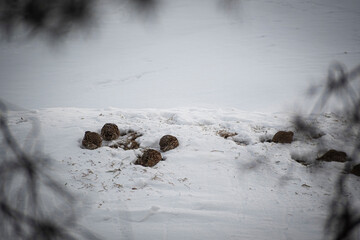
(209, 187)
(190, 70)
(262, 56)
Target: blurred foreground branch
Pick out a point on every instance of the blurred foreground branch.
(56, 19)
(344, 214)
(33, 205)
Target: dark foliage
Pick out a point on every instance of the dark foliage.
(33, 205)
(56, 18)
(344, 215)
(144, 6)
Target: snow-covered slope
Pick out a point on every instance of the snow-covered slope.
(209, 187)
(259, 57)
(188, 70)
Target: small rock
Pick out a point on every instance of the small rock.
(149, 159)
(168, 142)
(110, 132)
(356, 170)
(91, 140)
(333, 156)
(283, 137)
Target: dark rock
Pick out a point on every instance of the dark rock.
(91, 140)
(333, 156)
(356, 170)
(168, 142)
(110, 132)
(283, 137)
(149, 159)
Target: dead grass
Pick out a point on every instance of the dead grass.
(128, 141)
(225, 134)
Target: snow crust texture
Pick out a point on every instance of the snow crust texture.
(209, 187)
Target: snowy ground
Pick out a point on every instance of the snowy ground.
(187, 72)
(209, 187)
(262, 56)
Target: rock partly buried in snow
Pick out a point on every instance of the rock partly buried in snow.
(91, 140)
(356, 170)
(333, 156)
(283, 137)
(149, 159)
(168, 142)
(110, 132)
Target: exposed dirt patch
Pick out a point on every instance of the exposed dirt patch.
(127, 141)
(225, 134)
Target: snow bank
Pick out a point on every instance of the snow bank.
(209, 187)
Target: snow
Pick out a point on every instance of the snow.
(208, 187)
(262, 56)
(191, 70)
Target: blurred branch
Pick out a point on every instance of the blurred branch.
(343, 216)
(55, 18)
(338, 83)
(26, 187)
